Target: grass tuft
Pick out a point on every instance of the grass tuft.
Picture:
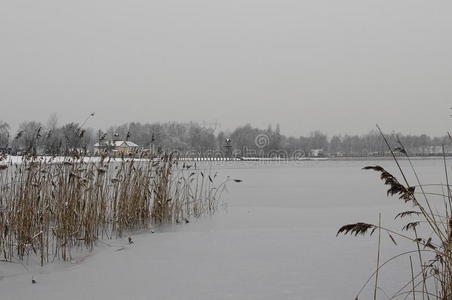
(431, 234)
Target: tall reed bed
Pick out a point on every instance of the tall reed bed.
(49, 208)
(429, 229)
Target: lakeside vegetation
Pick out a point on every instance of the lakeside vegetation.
(50, 209)
(429, 229)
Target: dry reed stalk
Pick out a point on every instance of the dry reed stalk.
(412, 278)
(378, 257)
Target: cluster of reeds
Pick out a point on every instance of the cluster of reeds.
(430, 232)
(51, 207)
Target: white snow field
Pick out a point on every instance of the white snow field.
(276, 240)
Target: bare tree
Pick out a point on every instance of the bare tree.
(4, 135)
(28, 137)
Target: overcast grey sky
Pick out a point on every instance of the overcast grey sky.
(337, 66)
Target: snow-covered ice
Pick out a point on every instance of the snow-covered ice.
(276, 240)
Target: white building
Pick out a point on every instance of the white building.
(117, 147)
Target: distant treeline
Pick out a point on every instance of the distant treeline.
(198, 140)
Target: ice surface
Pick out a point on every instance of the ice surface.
(276, 240)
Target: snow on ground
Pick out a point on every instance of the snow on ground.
(11, 159)
(276, 240)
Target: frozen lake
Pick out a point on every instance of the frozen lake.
(276, 240)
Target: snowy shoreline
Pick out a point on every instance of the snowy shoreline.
(10, 159)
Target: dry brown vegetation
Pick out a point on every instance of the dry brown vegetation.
(51, 208)
(430, 232)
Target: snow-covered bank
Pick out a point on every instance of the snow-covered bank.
(11, 159)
